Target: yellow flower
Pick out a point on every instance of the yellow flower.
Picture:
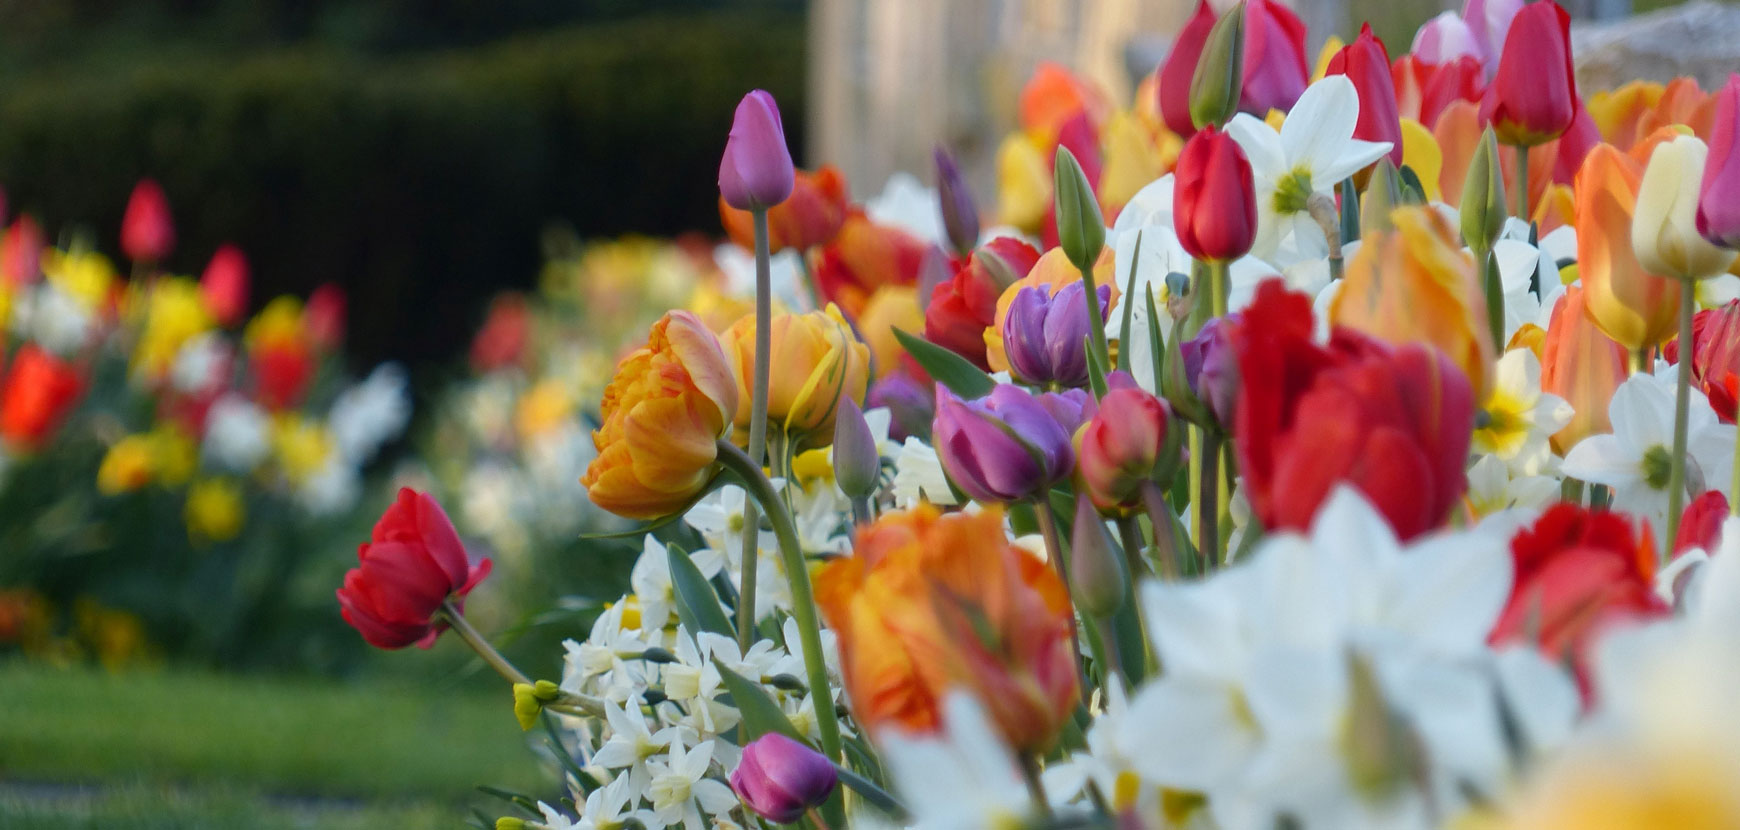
(126, 466)
(85, 276)
(815, 360)
(174, 314)
(302, 445)
(1054, 271)
(1132, 161)
(279, 323)
(1023, 183)
(1664, 229)
(174, 455)
(542, 408)
(1420, 151)
(891, 307)
(214, 510)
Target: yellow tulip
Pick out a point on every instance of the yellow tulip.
(1132, 161)
(1420, 151)
(1664, 229)
(815, 359)
(1415, 284)
(1629, 304)
(126, 466)
(214, 510)
(891, 307)
(1023, 183)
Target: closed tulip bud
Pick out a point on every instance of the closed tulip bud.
(1219, 80)
(1096, 571)
(1533, 97)
(325, 316)
(1128, 443)
(36, 394)
(960, 215)
(1631, 305)
(1719, 189)
(411, 565)
(1214, 203)
(1003, 447)
(1044, 333)
(1366, 62)
(756, 172)
(1483, 208)
(1178, 73)
(857, 464)
(1081, 231)
(1664, 230)
(1444, 39)
(224, 285)
(781, 779)
(147, 230)
(1715, 357)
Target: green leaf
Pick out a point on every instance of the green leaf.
(1413, 192)
(948, 368)
(1155, 345)
(1129, 307)
(760, 714)
(697, 605)
(1096, 370)
(1349, 211)
(521, 800)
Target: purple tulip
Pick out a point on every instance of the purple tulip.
(1006, 446)
(756, 172)
(1070, 408)
(1211, 366)
(960, 216)
(780, 778)
(1045, 335)
(1718, 215)
(910, 406)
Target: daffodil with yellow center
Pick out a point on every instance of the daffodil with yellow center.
(1518, 417)
(86, 276)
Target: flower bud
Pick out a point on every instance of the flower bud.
(1096, 572)
(224, 285)
(1483, 202)
(1178, 73)
(857, 464)
(1719, 190)
(1664, 229)
(1081, 231)
(1214, 203)
(1382, 195)
(1006, 446)
(960, 216)
(147, 231)
(510, 823)
(1044, 333)
(756, 172)
(910, 405)
(1128, 443)
(1366, 63)
(780, 779)
(1219, 78)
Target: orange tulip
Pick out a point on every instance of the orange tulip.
(1054, 95)
(1458, 133)
(1415, 284)
(1628, 114)
(1054, 271)
(1581, 365)
(863, 257)
(811, 216)
(815, 358)
(933, 603)
(891, 307)
(664, 413)
(1630, 305)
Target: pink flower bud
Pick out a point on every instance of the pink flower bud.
(147, 230)
(780, 779)
(756, 172)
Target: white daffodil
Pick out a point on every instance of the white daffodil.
(609, 807)
(651, 580)
(1492, 489)
(1312, 153)
(1636, 458)
(1518, 416)
(961, 778)
(718, 517)
(236, 434)
(919, 475)
(905, 203)
(371, 413)
(611, 647)
(680, 789)
(630, 744)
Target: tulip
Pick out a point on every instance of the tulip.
(1445, 38)
(1701, 525)
(1490, 20)
(412, 564)
(147, 231)
(1457, 132)
(501, 342)
(1628, 303)
(1096, 571)
(1052, 272)
(1719, 191)
(863, 257)
(1533, 96)
(756, 171)
(1054, 96)
(1416, 285)
(1071, 408)
(1003, 447)
(911, 405)
(1664, 229)
(663, 413)
(1581, 365)
(962, 309)
(1214, 203)
(1715, 356)
(1483, 210)
(1275, 65)
(1177, 72)
(1458, 80)
(326, 315)
(781, 779)
(811, 216)
(21, 253)
(1128, 443)
(1208, 370)
(1023, 183)
(1366, 62)
(932, 604)
(38, 391)
(224, 285)
(819, 360)
(891, 307)
(1081, 230)
(282, 373)
(857, 464)
(1578, 572)
(960, 215)
(1045, 334)
(1394, 422)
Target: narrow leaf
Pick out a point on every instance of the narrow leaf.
(697, 605)
(1129, 306)
(948, 368)
(760, 714)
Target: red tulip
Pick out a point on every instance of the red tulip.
(1578, 571)
(1214, 202)
(21, 253)
(1180, 68)
(1394, 422)
(1366, 63)
(1701, 524)
(962, 308)
(1719, 190)
(325, 316)
(1276, 70)
(1715, 356)
(1571, 148)
(37, 393)
(1123, 447)
(224, 285)
(863, 257)
(412, 563)
(282, 371)
(502, 340)
(147, 229)
(1533, 97)
(1462, 79)
(811, 216)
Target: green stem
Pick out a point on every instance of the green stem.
(1208, 512)
(461, 626)
(1054, 553)
(1218, 280)
(1522, 183)
(802, 600)
(1682, 405)
(1734, 485)
(757, 430)
(1165, 541)
(1096, 318)
(1640, 360)
(1035, 785)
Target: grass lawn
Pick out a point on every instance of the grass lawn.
(82, 748)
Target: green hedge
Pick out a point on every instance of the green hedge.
(419, 181)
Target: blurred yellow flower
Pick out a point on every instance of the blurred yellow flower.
(1132, 161)
(127, 466)
(1023, 183)
(174, 314)
(280, 322)
(1420, 152)
(174, 455)
(302, 446)
(85, 276)
(542, 408)
(214, 510)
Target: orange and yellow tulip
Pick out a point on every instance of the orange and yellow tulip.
(1634, 307)
(816, 359)
(664, 412)
(1581, 365)
(934, 603)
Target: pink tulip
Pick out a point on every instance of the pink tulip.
(1275, 65)
(224, 285)
(1719, 192)
(1179, 70)
(756, 172)
(1445, 38)
(147, 231)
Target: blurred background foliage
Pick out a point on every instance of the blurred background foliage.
(413, 152)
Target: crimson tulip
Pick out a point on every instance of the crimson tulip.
(1366, 63)
(1701, 524)
(963, 307)
(1123, 447)
(224, 285)
(21, 253)
(1276, 70)
(1715, 357)
(325, 316)
(412, 563)
(147, 231)
(1180, 67)
(501, 342)
(1461, 79)
(38, 391)
(1214, 202)
(1719, 190)
(1533, 97)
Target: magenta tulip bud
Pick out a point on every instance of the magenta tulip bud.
(1006, 446)
(781, 779)
(960, 215)
(756, 172)
(1718, 215)
(857, 464)
(1126, 445)
(1045, 335)
(147, 232)
(224, 285)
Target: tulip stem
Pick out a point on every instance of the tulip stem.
(1641, 360)
(1522, 184)
(1217, 280)
(1207, 513)
(757, 429)
(1734, 485)
(1096, 318)
(1323, 212)
(1054, 554)
(1165, 542)
(1035, 784)
(461, 626)
(803, 604)
(1682, 405)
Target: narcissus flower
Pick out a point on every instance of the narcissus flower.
(1533, 96)
(1393, 422)
(412, 563)
(934, 603)
(817, 360)
(756, 171)
(1124, 446)
(664, 412)
(1718, 214)
(1214, 200)
(37, 393)
(811, 216)
(147, 230)
(1006, 446)
(1634, 307)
